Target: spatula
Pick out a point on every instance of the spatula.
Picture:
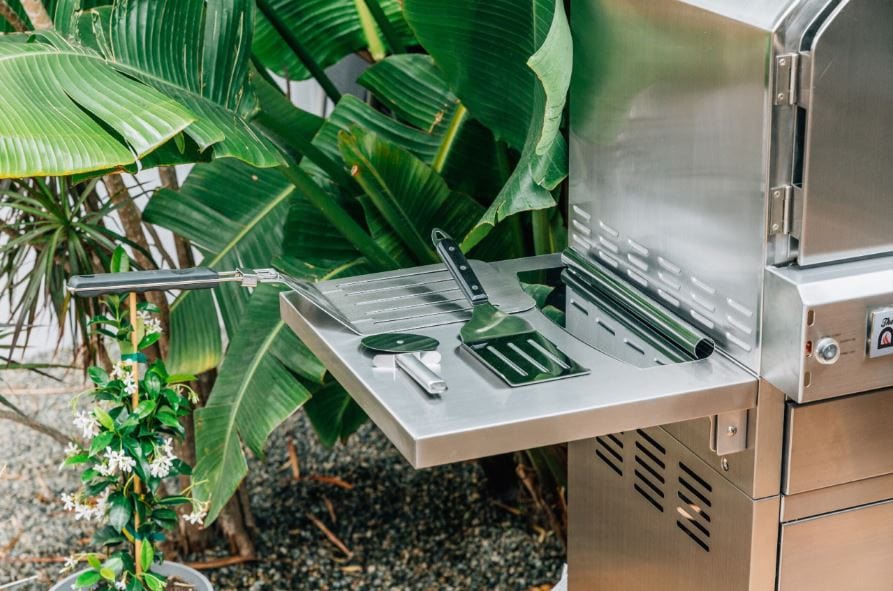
(509, 345)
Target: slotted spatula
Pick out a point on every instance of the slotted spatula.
(506, 344)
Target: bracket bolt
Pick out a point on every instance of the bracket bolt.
(732, 430)
(725, 464)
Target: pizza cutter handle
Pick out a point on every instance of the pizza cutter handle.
(421, 373)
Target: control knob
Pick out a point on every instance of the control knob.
(827, 351)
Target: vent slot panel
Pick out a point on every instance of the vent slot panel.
(694, 494)
(609, 449)
(650, 470)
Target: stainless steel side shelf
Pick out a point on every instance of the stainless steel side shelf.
(480, 415)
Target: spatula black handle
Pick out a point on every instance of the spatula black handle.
(458, 266)
(142, 281)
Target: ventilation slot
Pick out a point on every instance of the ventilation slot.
(650, 470)
(609, 449)
(693, 516)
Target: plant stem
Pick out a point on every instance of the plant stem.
(449, 138)
(387, 29)
(36, 425)
(302, 54)
(134, 401)
(543, 242)
(37, 14)
(10, 16)
(339, 218)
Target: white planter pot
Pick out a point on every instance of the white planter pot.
(168, 569)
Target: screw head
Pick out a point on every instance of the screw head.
(781, 96)
(725, 464)
(782, 62)
(731, 431)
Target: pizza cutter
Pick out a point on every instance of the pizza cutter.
(412, 353)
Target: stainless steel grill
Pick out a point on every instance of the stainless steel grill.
(730, 175)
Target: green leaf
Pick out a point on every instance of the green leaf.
(145, 408)
(408, 197)
(253, 394)
(87, 579)
(76, 460)
(93, 560)
(510, 65)
(120, 261)
(98, 376)
(104, 419)
(100, 442)
(333, 414)
(147, 555)
(246, 207)
(52, 89)
(328, 29)
(107, 574)
(148, 340)
(154, 582)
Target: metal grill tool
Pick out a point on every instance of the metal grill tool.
(506, 344)
(412, 353)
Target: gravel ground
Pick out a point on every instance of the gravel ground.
(435, 529)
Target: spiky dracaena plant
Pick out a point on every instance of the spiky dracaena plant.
(128, 467)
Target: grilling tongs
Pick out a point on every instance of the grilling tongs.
(508, 345)
(199, 278)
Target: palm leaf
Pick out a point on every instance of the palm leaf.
(329, 30)
(233, 214)
(510, 64)
(253, 394)
(164, 66)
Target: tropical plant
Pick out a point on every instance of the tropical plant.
(467, 135)
(126, 457)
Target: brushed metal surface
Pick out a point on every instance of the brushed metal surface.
(839, 441)
(850, 551)
(618, 539)
(757, 470)
(847, 177)
(669, 144)
(480, 415)
(805, 305)
(836, 498)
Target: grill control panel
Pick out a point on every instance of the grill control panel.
(828, 331)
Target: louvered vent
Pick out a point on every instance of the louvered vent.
(650, 470)
(609, 449)
(694, 498)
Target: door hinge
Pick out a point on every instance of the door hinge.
(781, 209)
(792, 84)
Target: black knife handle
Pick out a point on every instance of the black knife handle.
(458, 266)
(143, 281)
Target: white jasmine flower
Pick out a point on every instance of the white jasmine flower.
(153, 326)
(70, 564)
(87, 423)
(197, 517)
(122, 369)
(160, 467)
(120, 585)
(98, 510)
(117, 460)
(72, 449)
(69, 501)
(82, 511)
(130, 385)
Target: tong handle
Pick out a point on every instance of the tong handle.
(458, 266)
(143, 281)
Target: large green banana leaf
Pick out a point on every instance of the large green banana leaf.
(510, 63)
(255, 391)
(328, 29)
(163, 67)
(233, 214)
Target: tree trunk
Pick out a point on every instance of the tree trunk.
(37, 14)
(10, 16)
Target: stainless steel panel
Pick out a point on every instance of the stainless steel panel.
(839, 441)
(847, 177)
(836, 498)
(848, 551)
(805, 306)
(757, 470)
(669, 148)
(479, 415)
(647, 514)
